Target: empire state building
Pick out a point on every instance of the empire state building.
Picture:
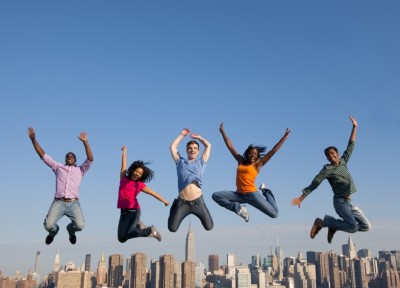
(190, 245)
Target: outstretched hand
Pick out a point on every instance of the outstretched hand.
(353, 121)
(185, 131)
(221, 127)
(296, 202)
(83, 136)
(31, 133)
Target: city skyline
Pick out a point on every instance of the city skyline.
(190, 235)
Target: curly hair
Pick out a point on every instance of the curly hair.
(147, 175)
(261, 151)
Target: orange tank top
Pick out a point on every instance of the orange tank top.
(245, 178)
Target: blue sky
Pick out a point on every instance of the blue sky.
(136, 72)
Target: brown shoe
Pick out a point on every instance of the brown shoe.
(316, 227)
(331, 232)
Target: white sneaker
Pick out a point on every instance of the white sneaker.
(264, 187)
(154, 233)
(243, 213)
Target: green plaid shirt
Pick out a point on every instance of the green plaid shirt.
(338, 176)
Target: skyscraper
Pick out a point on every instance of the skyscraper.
(155, 274)
(115, 270)
(87, 262)
(190, 245)
(167, 265)
(56, 266)
(213, 263)
(138, 270)
(188, 274)
(101, 277)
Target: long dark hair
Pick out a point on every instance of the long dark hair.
(147, 175)
(261, 152)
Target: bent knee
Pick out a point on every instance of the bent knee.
(79, 227)
(122, 240)
(275, 215)
(172, 228)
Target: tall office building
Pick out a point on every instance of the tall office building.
(115, 270)
(101, 277)
(349, 249)
(361, 279)
(56, 265)
(87, 262)
(213, 263)
(155, 274)
(334, 277)
(198, 281)
(231, 260)
(188, 274)
(190, 245)
(37, 263)
(167, 265)
(138, 271)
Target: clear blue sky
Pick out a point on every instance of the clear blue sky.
(136, 72)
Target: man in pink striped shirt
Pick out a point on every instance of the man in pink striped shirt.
(66, 198)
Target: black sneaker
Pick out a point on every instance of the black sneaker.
(49, 239)
(72, 236)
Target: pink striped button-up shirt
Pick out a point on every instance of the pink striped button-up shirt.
(68, 178)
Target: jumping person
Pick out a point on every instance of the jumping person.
(132, 182)
(338, 176)
(68, 179)
(249, 165)
(190, 171)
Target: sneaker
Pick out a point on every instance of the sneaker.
(316, 227)
(264, 187)
(49, 239)
(331, 232)
(72, 236)
(154, 233)
(243, 213)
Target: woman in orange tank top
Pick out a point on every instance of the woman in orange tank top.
(249, 165)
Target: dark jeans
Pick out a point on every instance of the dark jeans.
(128, 227)
(182, 208)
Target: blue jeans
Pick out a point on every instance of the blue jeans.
(262, 200)
(57, 210)
(182, 208)
(128, 226)
(353, 218)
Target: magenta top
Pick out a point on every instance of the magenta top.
(128, 191)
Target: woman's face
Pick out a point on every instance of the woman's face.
(252, 155)
(137, 174)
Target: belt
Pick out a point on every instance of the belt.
(66, 199)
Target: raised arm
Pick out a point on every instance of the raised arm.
(353, 130)
(32, 136)
(206, 144)
(123, 162)
(229, 144)
(147, 190)
(174, 145)
(277, 146)
(83, 137)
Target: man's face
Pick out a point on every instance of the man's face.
(332, 156)
(192, 151)
(70, 159)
